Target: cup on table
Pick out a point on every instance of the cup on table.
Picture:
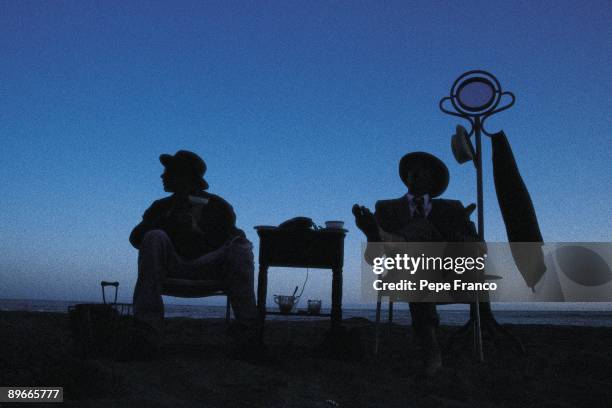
(285, 303)
(314, 307)
(334, 224)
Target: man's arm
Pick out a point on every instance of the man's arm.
(217, 221)
(464, 229)
(376, 228)
(153, 218)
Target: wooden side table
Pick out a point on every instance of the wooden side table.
(323, 248)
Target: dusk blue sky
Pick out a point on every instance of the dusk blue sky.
(298, 108)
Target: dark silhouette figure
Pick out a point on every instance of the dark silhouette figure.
(419, 217)
(190, 234)
(517, 210)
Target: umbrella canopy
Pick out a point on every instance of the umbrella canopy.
(518, 212)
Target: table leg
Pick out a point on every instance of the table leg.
(336, 309)
(262, 290)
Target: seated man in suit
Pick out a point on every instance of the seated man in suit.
(418, 216)
(190, 234)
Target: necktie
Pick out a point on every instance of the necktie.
(419, 207)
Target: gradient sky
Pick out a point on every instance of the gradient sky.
(299, 108)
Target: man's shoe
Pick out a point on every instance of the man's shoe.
(432, 361)
(246, 344)
(432, 357)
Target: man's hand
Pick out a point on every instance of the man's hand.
(470, 209)
(180, 221)
(366, 222)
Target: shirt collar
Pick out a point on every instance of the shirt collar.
(411, 198)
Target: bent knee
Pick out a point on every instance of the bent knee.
(155, 235)
(240, 257)
(241, 252)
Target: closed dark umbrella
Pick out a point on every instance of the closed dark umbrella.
(517, 211)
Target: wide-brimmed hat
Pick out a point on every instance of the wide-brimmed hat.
(420, 160)
(187, 163)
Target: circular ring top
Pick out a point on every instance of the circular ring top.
(475, 93)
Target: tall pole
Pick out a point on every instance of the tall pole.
(480, 199)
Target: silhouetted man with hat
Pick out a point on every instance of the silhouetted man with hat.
(190, 234)
(418, 216)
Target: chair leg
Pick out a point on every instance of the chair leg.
(228, 309)
(376, 328)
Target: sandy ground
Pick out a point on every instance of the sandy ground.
(563, 367)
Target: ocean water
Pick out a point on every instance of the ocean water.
(449, 315)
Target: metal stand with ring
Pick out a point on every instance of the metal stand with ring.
(476, 96)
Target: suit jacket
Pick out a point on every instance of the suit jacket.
(448, 217)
